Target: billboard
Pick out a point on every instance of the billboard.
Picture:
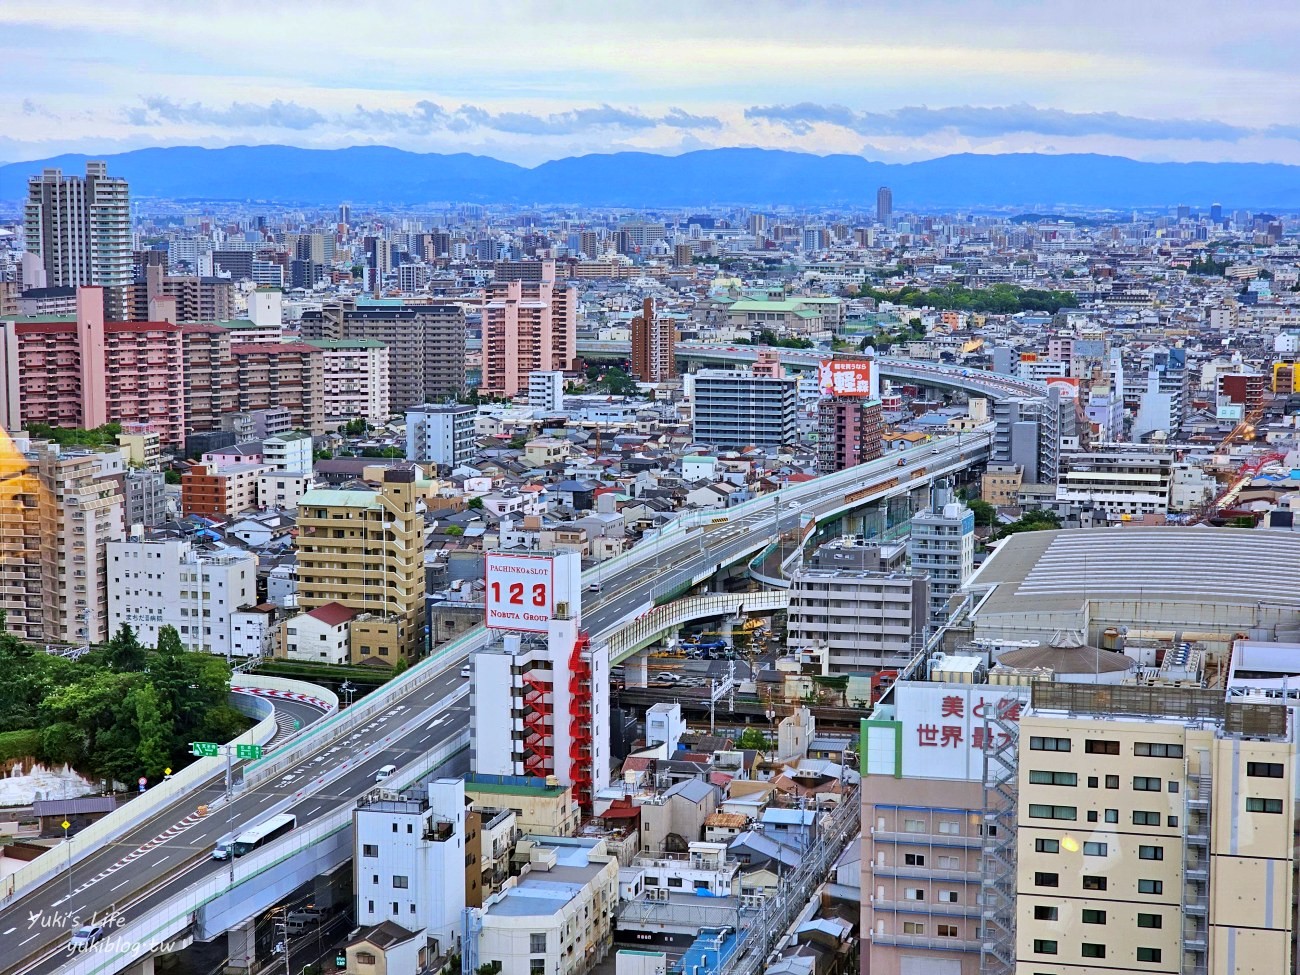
(1067, 387)
(840, 377)
(943, 729)
(519, 592)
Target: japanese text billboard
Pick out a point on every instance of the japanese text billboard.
(838, 377)
(944, 725)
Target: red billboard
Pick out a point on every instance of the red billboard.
(842, 377)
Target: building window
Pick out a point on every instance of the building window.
(949, 863)
(1094, 883)
(1043, 811)
(1266, 770)
(537, 943)
(1263, 805)
(947, 930)
(1041, 744)
(1091, 916)
(947, 897)
(1150, 921)
(1157, 749)
(1043, 879)
(1101, 747)
(1037, 777)
(913, 825)
(1044, 947)
(1093, 951)
(914, 859)
(1112, 782)
(1148, 954)
(1151, 852)
(1047, 846)
(1094, 849)
(536, 966)
(1112, 815)
(370, 850)
(1145, 783)
(949, 828)
(1044, 913)
(400, 882)
(913, 894)
(365, 958)
(1151, 887)
(913, 927)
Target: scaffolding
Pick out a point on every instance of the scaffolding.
(998, 894)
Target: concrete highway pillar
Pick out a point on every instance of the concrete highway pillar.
(727, 626)
(634, 670)
(143, 967)
(241, 943)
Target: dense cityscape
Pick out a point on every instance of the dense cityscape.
(716, 588)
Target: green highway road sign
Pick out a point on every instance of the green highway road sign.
(205, 749)
(248, 751)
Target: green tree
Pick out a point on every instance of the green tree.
(169, 642)
(985, 513)
(401, 665)
(124, 651)
(455, 531)
(153, 730)
(171, 476)
(475, 503)
(754, 740)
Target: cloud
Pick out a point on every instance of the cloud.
(978, 122)
(423, 117)
(276, 114)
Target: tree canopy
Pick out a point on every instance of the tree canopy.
(998, 299)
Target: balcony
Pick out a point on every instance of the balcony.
(921, 941)
(926, 873)
(928, 839)
(927, 907)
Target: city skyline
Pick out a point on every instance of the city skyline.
(888, 84)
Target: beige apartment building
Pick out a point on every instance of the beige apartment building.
(364, 549)
(1155, 833)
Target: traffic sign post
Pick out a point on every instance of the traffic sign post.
(248, 751)
(205, 749)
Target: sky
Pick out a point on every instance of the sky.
(529, 81)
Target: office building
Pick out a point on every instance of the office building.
(848, 432)
(409, 859)
(735, 409)
(527, 326)
(87, 371)
(356, 380)
(79, 229)
(61, 509)
(1153, 831)
(1028, 433)
(546, 390)
(145, 495)
(654, 342)
(885, 206)
(221, 491)
(171, 582)
(860, 619)
(426, 345)
(363, 549)
(941, 547)
(442, 435)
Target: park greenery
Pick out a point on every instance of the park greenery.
(768, 337)
(121, 711)
(998, 299)
(103, 436)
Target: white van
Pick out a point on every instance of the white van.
(222, 850)
(385, 772)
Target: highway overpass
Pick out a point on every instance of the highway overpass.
(416, 715)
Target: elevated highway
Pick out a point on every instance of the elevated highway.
(416, 715)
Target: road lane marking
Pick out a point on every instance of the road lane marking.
(122, 884)
(11, 931)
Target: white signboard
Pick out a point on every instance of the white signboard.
(943, 725)
(520, 591)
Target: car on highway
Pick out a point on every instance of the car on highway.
(667, 678)
(223, 848)
(593, 587)
(465, 671)
(85, 936)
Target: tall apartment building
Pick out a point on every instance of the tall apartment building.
(863, 619)
(170, 582)
(442, 435)
(1154, 831)
(885, 206)
(364, 549)
(527, 326)
(87, 371)
(654, 346)
(211, 390)
(536, 709)
(1028, 433)
(356, 380)
(58, 512)
(849, 432)
(145, 494)
(409, 860)
(198, 299)
(546, 390)
(79, 229)
(290, 375)
(733, 409)
(426, 344)
(941, 547)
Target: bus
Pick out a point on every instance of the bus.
(263, 833)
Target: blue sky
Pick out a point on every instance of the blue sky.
(529, 81)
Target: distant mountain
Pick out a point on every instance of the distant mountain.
(378, 174)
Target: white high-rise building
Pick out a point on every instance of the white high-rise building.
(152, 584)
(409, 860)
(80, 227)
(942, 546)
(442, 435)
(546, 390)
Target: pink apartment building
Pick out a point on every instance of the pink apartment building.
(527, 325)
(84, 371)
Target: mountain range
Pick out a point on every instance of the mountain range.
(383, 175)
